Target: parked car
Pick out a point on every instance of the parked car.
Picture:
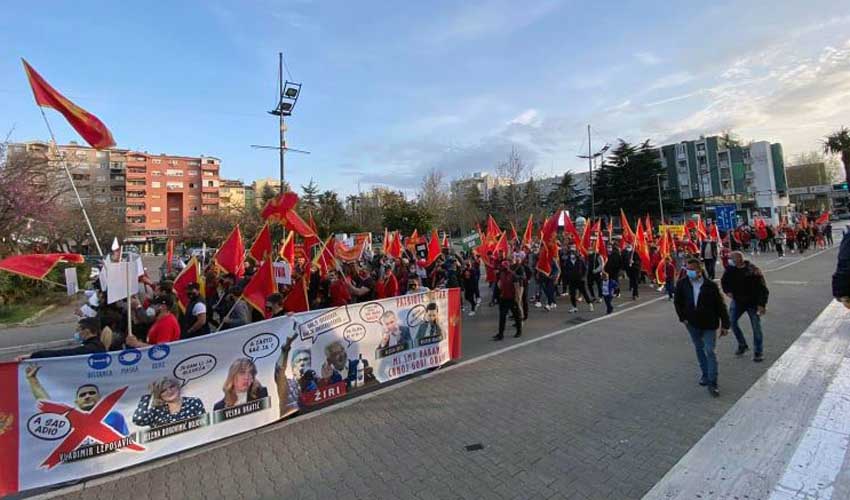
(840, 214)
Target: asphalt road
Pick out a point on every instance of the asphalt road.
(583, 406)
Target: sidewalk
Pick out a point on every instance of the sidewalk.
(787, 438)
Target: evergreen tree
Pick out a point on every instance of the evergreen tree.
(627, 179)
(309, 201)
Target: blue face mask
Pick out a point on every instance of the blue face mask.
(692, 274)
(78, 338)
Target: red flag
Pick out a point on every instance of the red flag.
(514, 236)
(601, 249)
(262, 246)
(628, 234)
(664, 244)
(501, 248)
(544, 260)
(493, 230)
(822, 219)
(761, 228)
(190, 274)
(86, 124)
(296, 300)
(529, 227)
(702, 232)
(570, 229)
(287, 250)
(230, 257)
(169, 254)
(660, 274)
(386, 248)
(37, 266)
(262, 285)
(277, 207)
(445, 243)
(550, 228)
(433, 247)
(648, 226)
(413, 240)
(641, 248)
(312, 240)
(325, 258)
(715, 233)
(395, 246)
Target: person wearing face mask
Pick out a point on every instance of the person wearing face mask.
(614, 265)
(575, 270)
(506, 281)
(744, 283)
(700, 307)
(195, 317)
(595, 267)
(87, 335)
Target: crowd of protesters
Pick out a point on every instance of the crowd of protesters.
(513, 278)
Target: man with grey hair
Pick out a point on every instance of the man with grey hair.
(744, 283)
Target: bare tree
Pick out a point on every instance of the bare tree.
(834, 171)
(434, 197)
(516, 172)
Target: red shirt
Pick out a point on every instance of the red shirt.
(340, 295)
(164, 329)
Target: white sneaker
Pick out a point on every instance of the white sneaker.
(573, 310)
(554, 306)
(477, 300)
(591, 307)
(563, 295)
(547, 307)
(538, 305)
(471, 313)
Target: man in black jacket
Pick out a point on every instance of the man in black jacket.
(89, 337)
(700, 306)
(575, 270)
(744, 283)
(708, 254)
(632, 265)
(614, 264)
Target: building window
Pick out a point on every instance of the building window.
(156, 196)
(210, 162)
(210, 184)
(156, 209)
(191, 184)
(173, 163)
(101, 154)
(157, 161)
(156, 173)
(157, 221)
(174, 172)
(194, 209)
(174, 185)
(156, 184)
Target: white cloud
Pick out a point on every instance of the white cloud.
(647, 58)
(672, 80)
(529, 117)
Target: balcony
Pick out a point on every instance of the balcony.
(209, 189)
(136, 194)
(206, 166)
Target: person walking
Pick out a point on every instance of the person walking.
(744, 283)
(708, 253)
(506, 281)
(595, 266)
(827, 231)
(575, 270)
(632, 264)
(614, 265)
(700, 307)
(609, 288)
(779, 241)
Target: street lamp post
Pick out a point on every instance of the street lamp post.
(660, 200)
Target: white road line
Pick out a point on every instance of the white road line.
(33, 347)
(164, 462)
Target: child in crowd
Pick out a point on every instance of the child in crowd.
(609, 288)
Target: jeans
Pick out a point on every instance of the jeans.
(549, 290)
(704, 341)
(670, 287)
(608, 306)
(576, 287)
(594, 285)
(736, 312)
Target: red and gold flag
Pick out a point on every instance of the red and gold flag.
(287, 250)
(395, 246)
(445, 240)
(413, 240)
(261, 285)
(296, 300)
(37, 266)
(86, 124)
(529, 227)
(544, 260)
(230, 257)
(433, 247)
(628, 234)
(493, 230)
(513, 237)
(262, 246)
(190, 274)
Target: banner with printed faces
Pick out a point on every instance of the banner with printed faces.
(80, 416)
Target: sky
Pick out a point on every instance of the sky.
(392, 90)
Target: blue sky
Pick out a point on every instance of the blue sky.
(393, 89)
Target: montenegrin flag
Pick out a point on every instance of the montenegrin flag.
(86, 124)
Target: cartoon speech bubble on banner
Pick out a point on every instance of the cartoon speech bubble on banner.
(261, 345)
(371, 313)
(323, 323)
(354, 333)
(194, 367)
(49, 426)
(416, 315)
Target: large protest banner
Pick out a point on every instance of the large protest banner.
(80, 416)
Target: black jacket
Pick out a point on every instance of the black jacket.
(709, 313)
(575, 271)
(746, 285)
(841, 278)
(614, 264)
(89, 346)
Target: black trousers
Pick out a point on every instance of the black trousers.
(578, 286)
(634, 281)
(509, 306)
(710, 264)
(525, 302)
(594, 285)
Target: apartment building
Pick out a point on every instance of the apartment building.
(709, 171)
(483, 181)
(232, 194)
(164, 192)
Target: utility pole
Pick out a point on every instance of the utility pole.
(282, 148)
(660, 201)
(590, 169)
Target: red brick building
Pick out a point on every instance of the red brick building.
(164, 192)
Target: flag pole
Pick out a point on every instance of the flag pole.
(71, 180)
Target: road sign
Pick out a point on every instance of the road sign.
(725, 217)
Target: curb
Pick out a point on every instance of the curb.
(29, 321)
